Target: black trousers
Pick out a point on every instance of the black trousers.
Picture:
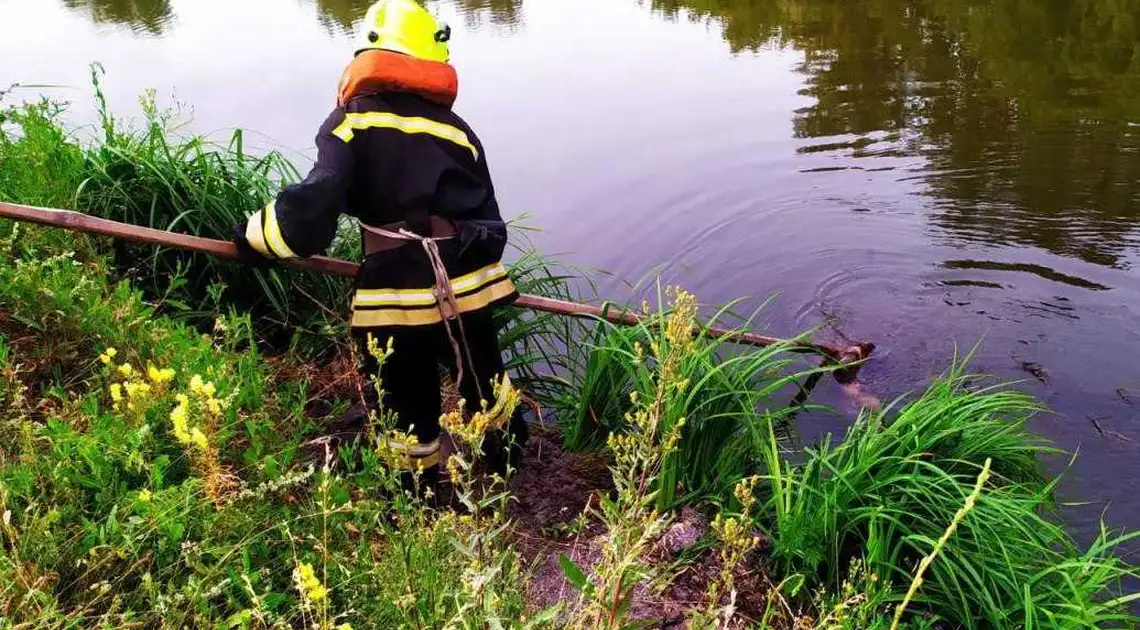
(411, 377)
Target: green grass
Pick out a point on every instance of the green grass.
(81, 546)
(536, 344)
(885, 494)
(733, 392)
(158, 177)
(155, 176)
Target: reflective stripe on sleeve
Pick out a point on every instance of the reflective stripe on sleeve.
(417, 457)
(497, 416)
(255, 234)
(273, 236)
(407, 124)
(264, 234)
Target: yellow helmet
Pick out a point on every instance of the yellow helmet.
(404, 26)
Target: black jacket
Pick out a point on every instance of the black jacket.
(385, 158)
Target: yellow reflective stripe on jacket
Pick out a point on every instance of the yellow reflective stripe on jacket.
(264, 234)
(407, 124)
(417, 450)
(256, 235)
(497, 416)
(273, 236)
(370, 317)
(417, 457)
(426, 297)
(396, 317)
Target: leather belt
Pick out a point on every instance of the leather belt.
(441, 229)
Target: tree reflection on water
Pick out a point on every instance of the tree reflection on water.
(145, 16)
(1026, 111)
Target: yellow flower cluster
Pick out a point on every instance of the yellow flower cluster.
(378, 353)
(682, 322)
(136, 392)
(183, 432)
(736, 531)
(159, 376)
(309, 584)
(745, 492)
(209, 408)
(201, 388)
(739, 540)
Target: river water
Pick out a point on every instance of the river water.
(924, 174)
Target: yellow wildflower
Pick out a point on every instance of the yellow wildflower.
(198, 438)
(309, 584)
(197, 384)
(145, 495)
(159, 376)
(126, 370)
(116, 392)
(137, 391)
(214, 406)
(108, 355)
(305, 570)
(344, 626)
(178, 419)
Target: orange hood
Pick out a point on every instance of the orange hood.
(383, 71)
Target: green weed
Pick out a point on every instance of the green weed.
(886, 493)
(732, 392)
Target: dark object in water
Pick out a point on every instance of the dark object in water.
(1116, 435)
(1125, 396)
(1037, 370)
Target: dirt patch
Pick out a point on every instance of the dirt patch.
(552, 490)
(330, 382)
(553, 486)
(686, 571)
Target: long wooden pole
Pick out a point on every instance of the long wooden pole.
(850, 357)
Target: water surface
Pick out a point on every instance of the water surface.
(924, 174)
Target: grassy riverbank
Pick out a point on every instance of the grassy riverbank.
(163, 460)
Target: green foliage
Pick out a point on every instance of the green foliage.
(156, 178)
(732, 392)
(886, 493)
(32, 144)
(110, 519)
(631, 520)
(538, 346)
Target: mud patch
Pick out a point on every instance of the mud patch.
(553, 486)
(685, 565)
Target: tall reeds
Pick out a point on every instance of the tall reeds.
(732, 394)
(884, 495)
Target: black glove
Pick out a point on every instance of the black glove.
(247, 254)
(485, 232)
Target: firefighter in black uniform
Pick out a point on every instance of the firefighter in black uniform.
(394, 156)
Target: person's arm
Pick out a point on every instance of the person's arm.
(302, 221)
